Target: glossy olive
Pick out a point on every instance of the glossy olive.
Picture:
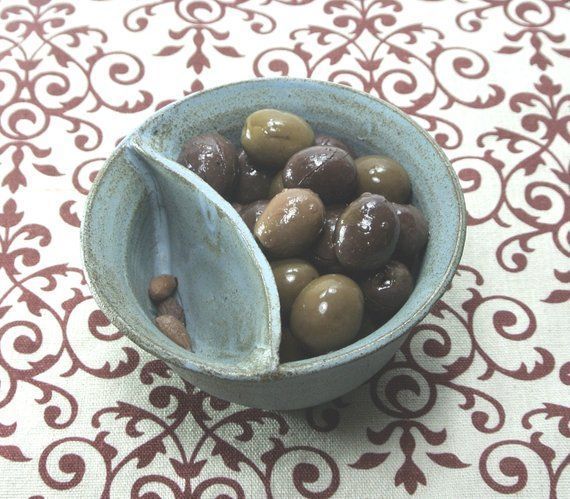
(328, 140)
(214, 159)
(328, 171)
(252, 184)
(291, 222)
(290, 348)
(251, 212)
(270, 137)
(327, 314)
(366, 233)
(323, 253)
(276, 185)
(386, 291)
(291, 276)
(413, 232)
(384, 176)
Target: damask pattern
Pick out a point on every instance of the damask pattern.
(476, 401)
(49, 75)
(530, 26)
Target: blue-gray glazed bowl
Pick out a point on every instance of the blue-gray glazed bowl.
(147, 214)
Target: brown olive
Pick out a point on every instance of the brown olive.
(291, 222)
(252, 184)
(270, 137)
(323, 253)
(366, 233)
(327, 314)
(237, 206)
(251, 212)
(384, 176)
(276, 185)
(291, 276)
(386, 291)
(170, 306)
(161, 287)
(328, 140)
(290, 348)
(328, 171)
(413, 232)
(174, 329)
(214, 159)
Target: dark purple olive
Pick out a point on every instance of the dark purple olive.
(251, 212)
(252, 184)
(214, 159)
(328, 140)
(323, 254)
(386, 291)
(413, 232)
(366, 233)
(328, 171)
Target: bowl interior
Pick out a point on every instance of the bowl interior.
(368, 125)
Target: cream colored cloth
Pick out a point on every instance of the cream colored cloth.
(477, 402)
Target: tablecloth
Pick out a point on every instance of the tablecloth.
(476, 403)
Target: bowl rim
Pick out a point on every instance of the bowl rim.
(346, 355)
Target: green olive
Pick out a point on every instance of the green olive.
(327, 314)
(270, 137)
(384, 176)
(291, 276)
(290, 223)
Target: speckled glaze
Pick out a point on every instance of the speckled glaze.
(146, 214)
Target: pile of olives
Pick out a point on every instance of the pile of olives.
(337, 230)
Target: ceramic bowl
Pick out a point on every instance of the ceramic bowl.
(146, 214)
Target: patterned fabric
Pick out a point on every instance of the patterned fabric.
(476, 403)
